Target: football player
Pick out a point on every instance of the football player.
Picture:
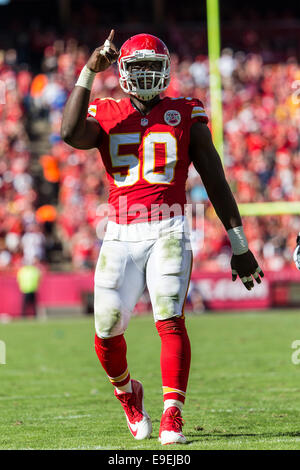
(147, 144)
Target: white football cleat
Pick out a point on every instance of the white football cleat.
(170, 431)
(138, 420)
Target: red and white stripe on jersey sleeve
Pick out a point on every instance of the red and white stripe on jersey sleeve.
(198, 111)
(92, 109)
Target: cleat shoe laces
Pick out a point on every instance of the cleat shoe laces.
(171, 424)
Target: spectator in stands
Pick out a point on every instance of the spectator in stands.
(262, 148)
(33, 244)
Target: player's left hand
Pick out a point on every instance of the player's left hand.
(245, 266)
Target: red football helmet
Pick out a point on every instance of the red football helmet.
(144, 84)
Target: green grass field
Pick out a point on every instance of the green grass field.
(243, 391)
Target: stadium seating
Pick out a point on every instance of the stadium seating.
(261, 122)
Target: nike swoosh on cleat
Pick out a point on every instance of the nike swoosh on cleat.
(133, 428)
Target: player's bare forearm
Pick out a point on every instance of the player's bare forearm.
(76, 129)
(208, 164)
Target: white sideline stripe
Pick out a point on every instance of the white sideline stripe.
(51, 418)
(74, 448)
(38, 397)
(252, 410)
(105, 448)
(283, 439)
(97, 448)
(253, 440)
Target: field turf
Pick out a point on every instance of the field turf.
(243, 391)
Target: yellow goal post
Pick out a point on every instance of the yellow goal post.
(215, 88)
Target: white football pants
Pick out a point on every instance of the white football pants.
(156, 254)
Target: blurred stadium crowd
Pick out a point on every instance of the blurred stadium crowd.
(262, 153)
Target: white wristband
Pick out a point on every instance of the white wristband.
(238, 240)
(86, 78)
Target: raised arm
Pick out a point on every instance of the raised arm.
(208, 164)
(76, 129)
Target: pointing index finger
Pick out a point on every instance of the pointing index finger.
(111, 35)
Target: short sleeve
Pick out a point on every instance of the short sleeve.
(93, 108)
(197, 111)
(105, 111)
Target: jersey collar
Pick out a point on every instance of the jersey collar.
(141, 112)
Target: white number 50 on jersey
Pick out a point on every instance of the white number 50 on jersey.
(135, 168)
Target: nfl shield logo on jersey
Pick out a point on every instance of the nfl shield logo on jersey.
(144, 122)
(172, 117)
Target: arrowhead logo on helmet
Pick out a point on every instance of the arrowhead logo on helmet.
(144, 84)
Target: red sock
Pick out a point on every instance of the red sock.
(175, 357)
(111, 353)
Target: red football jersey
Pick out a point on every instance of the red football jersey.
(146, 157)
